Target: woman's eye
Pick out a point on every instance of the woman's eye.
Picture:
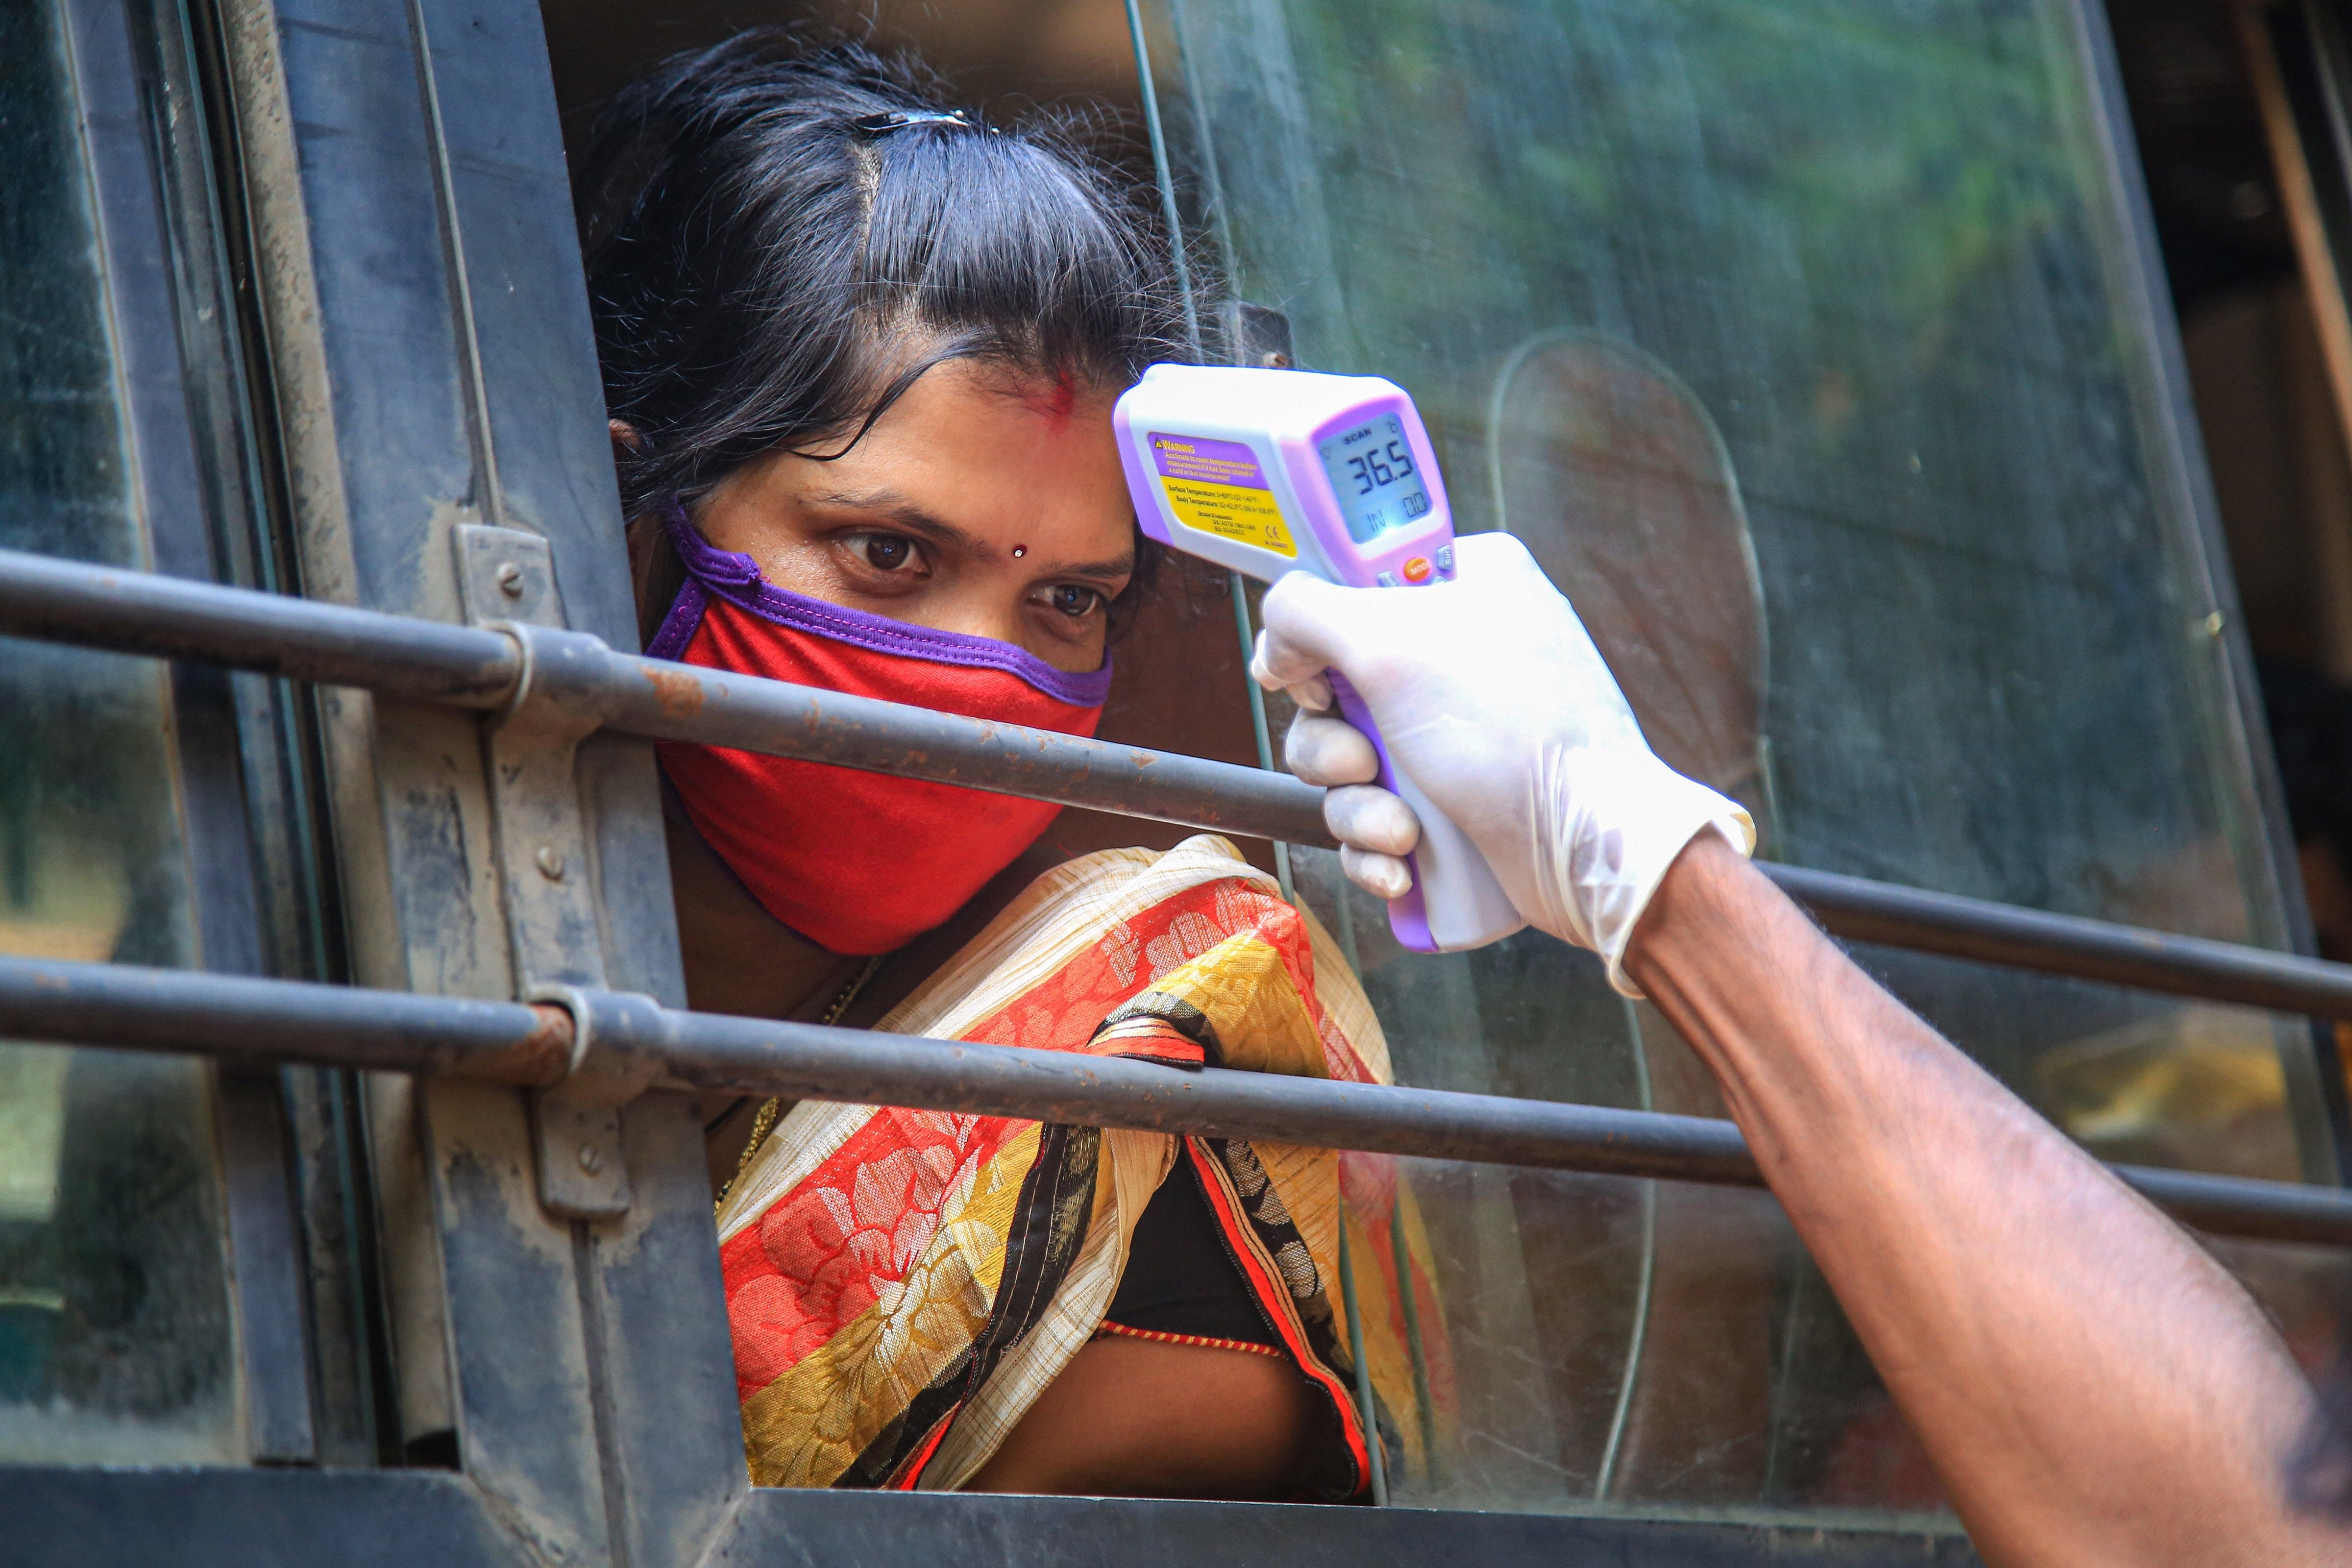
(885, 551)
(1071, 600)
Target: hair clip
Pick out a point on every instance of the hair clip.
(901, 118)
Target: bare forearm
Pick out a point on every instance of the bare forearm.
(2091, 1385)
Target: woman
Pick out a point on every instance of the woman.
(860, 351)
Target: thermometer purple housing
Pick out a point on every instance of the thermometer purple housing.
(1269, 472)
(1406, 553)
(1409, 915)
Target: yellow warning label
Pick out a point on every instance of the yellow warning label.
(1246, 516)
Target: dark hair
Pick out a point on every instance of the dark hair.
(765, 273)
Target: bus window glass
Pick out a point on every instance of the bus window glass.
(1806, 344)
(115, 1343)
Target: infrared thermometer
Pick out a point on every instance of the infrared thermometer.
(1269, 472)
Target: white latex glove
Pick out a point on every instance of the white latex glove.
(1489, 693)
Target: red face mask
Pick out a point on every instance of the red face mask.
(856, 862)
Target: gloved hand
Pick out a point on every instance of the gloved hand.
(1490, 695)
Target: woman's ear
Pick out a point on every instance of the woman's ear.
(627, 442)
(655, 571)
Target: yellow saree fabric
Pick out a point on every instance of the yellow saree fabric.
(902, 1285)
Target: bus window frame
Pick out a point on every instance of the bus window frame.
(149, 303)
(416, 272)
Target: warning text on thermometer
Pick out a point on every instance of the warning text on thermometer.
(1217, 488)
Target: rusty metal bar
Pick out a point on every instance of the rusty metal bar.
(662, 700)
(304, 639)
(806, 1061)
(473, 667)
(247, 1020)
(240, 1019)
(170, 618)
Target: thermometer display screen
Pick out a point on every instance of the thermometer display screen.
(1374, 477)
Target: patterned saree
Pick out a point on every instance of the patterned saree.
(902, 1285)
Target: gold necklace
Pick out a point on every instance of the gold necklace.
(764, 1123)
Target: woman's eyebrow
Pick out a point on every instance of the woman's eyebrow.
(901, 512)
(906, 514)
(1119, 566)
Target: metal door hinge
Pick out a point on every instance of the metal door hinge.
(547, 873)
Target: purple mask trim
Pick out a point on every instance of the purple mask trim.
(736, 578)
(677, 626)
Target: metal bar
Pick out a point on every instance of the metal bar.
(400, 656)
(1987, 933)
(242, 1019)
(304, 639)
(141, 613)
(811, 1062)
(2242, 1206)
(683, 703)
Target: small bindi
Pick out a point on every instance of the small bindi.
(1019, 551)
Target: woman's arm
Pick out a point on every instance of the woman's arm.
(2092, 1387)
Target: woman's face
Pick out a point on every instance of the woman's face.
(981, 502)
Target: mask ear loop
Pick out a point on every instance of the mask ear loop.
(666, 637)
